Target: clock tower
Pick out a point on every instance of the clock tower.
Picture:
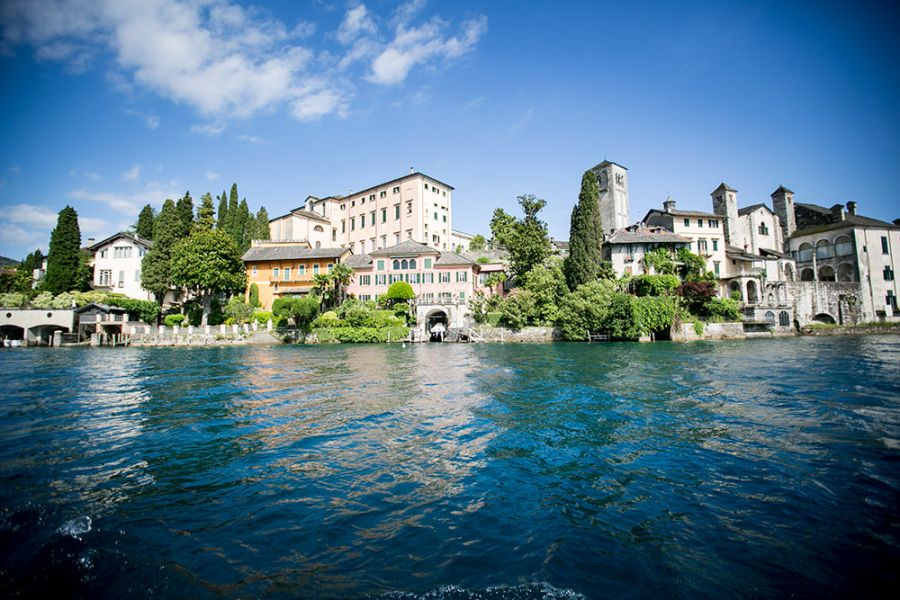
(612, 180)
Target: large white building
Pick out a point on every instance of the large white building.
(117, 265)
(414, 207)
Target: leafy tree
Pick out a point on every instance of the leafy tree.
(144, 226)
(254, 296)
(502, 224)
(206, 215)
(341, 276)
(477, 243)
(519, 309)
(238, 310)
(262, 224)
(547, 285)
(65, 263)
(246, 226)
(206, 263)
(585, 235)
(586, 309)
(324, 289)
(696, 295)
(156, 274)
(232, 215)
(661, 261)
(399, 291)
(24, 278)
(528, 243)
(185, 208)
(692, 267)
(723, 309)
(223, 212)
(654, 285)
(302, 311)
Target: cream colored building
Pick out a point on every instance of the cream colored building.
(705, 230)
(414, 207)
(117, 265)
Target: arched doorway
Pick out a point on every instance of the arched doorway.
(735, 287)
(807, 275)
(788, 272)
(824, 318)
(436, 325)
(826, 273)
(752, 295)
(42, 335)
(12, 332)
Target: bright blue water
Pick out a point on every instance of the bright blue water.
(731, 469)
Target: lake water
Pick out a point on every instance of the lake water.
(732, 469)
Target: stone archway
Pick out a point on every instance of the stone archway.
(436, 323)
(752, 293)
(824, 318)
(12, 332)
(735, 286)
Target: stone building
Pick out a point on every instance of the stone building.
(612, 180)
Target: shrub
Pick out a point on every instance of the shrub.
(13, 300)
(43, 300)
(723, 309)
(362, 335)
(547, 284)
(698, 327)
(399, 291)
(327, 320)
(654, 285)
(302, 311)
(661, 261)
(63, 301)
(254, 296)
(238, 311)
(585, 309)
(174, 320)
(519, 309)
(696, 295)
(483, 260)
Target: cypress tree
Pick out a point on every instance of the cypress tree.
(65, 268)
(262, 224)
(185, 209)
(245, 225)
(144, 227)
(206, 214)
(223, 211)
(155, 267)
(585, 235)
(230, 226)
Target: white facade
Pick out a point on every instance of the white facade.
(705, 230)
(117, 265)
(415, 207)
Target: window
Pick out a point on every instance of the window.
(381, 280)
(287, 274)
(888, 274)
(105, 277)
(142, 251)
(404, 264)
(412, 263)
(396, 211)
(784, 319)
(444, 277)
(715, 245)
(103, 253)
(333, 235)
(380, 265)
(255, 270)
(462, 276)
(435, 217)
(716, 267)
(687, 222)
(352, 223)
(763, 230)
(276, 272)
(362, 221)
(382, 194)
(316, 269)
(384, 215)
(396, 265)
(462, 296)
(884, 245)
(409, 208)
(397, 238)
(329, 267)
(427, 263)
(445, 218)
(343, 206)
(353, 203)
(121, 278)
(699, 222)
(372, 197)
(409, 234)
(365, 280)
(372, 217)
(426, 186)
(318, 229)
(383, 241)
(701, 246)
(891, 300)
(343, 226)
(362, 246)
(301, 270)
(713, 223)
(122, 252)
(397, 190)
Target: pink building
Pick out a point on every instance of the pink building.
(443, 282)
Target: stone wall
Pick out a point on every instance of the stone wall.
(711, 331)
(812, 299)
(526, 334)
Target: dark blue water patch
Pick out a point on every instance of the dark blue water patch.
(746, 469)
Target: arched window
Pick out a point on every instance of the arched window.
(784, 319)
(412, 263)
(843, 246)
(770, 316)
(318, 244)
(404, 264)
(826, 273)
(396, 264)
(736, 287)
(824, 249)
(804, 254)
(788, 272)
(807, 275)
(752, 296)
(846, 272)
(318, 228)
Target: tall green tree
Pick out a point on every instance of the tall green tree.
(155, 267)
(24, 280)
(585, 235)
(245, 226)
(527, 242)
(144, 226)
(206, 263)
(185, 208)
(206, 214)
(223, 211)
(65, 263)
(262, 224)
(232, 215)
(502, 224)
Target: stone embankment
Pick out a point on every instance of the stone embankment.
(851, 330)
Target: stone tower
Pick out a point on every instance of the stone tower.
(783, 204)
(612, 179)
(724, 201)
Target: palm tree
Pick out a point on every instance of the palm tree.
(341, 276)
(324, 289)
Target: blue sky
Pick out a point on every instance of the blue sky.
(110, 104)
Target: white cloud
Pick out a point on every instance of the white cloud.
(29, 214)
(356, 22)
(15, 170)
(251, 139)
(130, 203)
(211, 175)
(132, 174)
(229, 61)
(415, 45)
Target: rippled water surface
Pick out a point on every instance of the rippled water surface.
(732, 469)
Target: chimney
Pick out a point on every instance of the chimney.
(91, 241)
(837, 212)
(411, 170)
(669, 205)
(851, 207)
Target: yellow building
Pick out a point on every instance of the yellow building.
(286, 269)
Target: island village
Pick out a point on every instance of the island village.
(783, 265)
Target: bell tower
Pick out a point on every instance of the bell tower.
(612, 180)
